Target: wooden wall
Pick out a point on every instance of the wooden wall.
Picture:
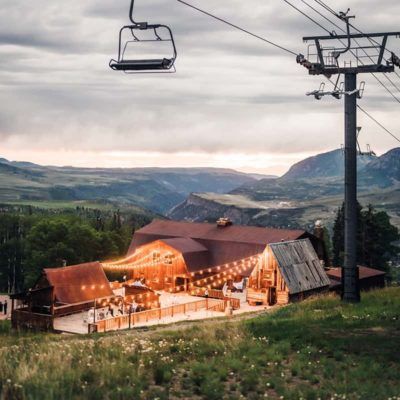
(167, 269)
(266, 284)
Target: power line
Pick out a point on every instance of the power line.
(238, 27)
(307, 16)
(322, 15)
(378, 123)
(371, 117)
(290, 51)
(330, 33)
(329, 9)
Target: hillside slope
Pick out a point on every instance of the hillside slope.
(312, 189)
(157, 189)
(319, 348)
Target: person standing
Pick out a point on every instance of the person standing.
(5, 305)
(1, 306)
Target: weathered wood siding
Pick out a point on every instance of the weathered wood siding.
(161, 266)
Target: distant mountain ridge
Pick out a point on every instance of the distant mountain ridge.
(325, 165)
(311, 189)
(157, 189)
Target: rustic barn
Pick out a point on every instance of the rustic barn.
(61, 291)
(178, 256)
(287, 271)
(369, 278)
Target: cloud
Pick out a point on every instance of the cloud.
(231, 93)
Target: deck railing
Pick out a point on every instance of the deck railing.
(22, 318)
(130, 320)
(218, 294)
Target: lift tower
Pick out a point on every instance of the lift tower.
(366, 57)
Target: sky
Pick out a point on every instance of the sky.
(234, 102)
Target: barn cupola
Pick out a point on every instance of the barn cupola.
(223, 222)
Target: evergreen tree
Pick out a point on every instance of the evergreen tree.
(375, 238)
(338, 238)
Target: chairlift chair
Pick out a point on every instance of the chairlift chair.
(129, 64)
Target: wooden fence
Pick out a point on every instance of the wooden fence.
(218, 294)
(22, 318)
(122, 322)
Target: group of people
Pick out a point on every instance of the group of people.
(3, 307)
(112, 311)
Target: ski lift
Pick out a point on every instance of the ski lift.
(369, 152)
(161, 35)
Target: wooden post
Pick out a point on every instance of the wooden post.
(94, 313)
(52, 301)
(130, 314)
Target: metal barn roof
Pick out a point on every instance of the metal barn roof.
(78, 283)
(196, 256)
(159, 229)
(364, 272)
(299, 265)
(224, 244)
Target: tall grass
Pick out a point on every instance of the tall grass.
(320, 348)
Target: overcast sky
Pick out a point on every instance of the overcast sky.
(234, 102)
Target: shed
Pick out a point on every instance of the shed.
(77, 283)
(369, 278)
(288, 271)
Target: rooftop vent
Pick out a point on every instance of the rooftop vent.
(224, 222)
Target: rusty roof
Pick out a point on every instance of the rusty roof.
(364, 272)
(224, 244)
(234, 233)
(78, 283)
(299, 265)
(196, 255)
(184, 245)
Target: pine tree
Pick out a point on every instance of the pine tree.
(375, 238)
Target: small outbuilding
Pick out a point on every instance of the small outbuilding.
(369, 278)
(59, 292)
(287, 271)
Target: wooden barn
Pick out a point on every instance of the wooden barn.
(287, 271)
(59, 292)
(369, 278)
(180, 256)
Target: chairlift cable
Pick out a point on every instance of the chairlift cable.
(378, 123)
(324, 5)
(307, 16)
(365, 52)
(327, 8)
(372, 118)
(322, 15)
(238, 27)
(380, 82)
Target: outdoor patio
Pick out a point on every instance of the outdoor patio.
(77, 323)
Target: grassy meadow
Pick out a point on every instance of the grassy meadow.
(318, 349)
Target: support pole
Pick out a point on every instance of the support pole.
(351, 292)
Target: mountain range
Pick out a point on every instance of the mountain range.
(157, 189)
(311, 189)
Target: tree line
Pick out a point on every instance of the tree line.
(376, 238)
(31, 240)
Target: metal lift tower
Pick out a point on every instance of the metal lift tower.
(367, 57)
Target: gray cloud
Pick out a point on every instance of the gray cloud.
(231, 92)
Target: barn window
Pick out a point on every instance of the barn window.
(168, 258)
(156, 257)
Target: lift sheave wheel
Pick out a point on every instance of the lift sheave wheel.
(140, 45)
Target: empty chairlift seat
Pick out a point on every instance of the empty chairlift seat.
(140, 45)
